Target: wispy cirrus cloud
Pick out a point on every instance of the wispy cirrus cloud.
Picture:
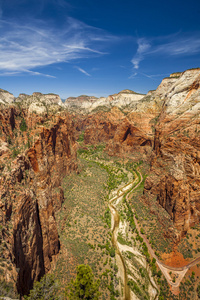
(36, 44)
(82, 71)
(175, 45)
(181, 46)
(143, 47)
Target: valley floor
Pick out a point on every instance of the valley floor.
(127, 267)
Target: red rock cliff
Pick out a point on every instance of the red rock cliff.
(175, 163)
(31, 192)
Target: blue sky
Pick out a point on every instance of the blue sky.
(95, 47)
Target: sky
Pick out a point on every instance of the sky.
(96, 47)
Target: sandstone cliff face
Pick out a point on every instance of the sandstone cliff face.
(7, 122)
(6, 97)
(114, 129)
(31, 192)
(175, 164)
(90, 104)
(40, 104)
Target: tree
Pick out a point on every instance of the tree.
(84, 286)
(46, 289)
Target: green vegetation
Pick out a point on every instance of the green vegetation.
(91, 150)
(84, 225)
(101, 108)
(23, 126)
(107, 217)
(122, 240)
(198, 291)
(149, 217)
(15, 152)
(81, 137)
(129, 214)
(84, 286)
(116, 176)
(45, 289)
(154, 120)
(7, 290)
(85, 219)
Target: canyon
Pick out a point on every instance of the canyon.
(45, 141)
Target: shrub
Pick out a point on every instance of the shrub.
(112, 252)
(46, 289)
(81, 137)
(15, 152)
(23, 126)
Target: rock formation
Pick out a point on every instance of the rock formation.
(90, 104)
(31, 189)
(175, 160)
(6, 97)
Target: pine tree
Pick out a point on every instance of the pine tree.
(84, 286)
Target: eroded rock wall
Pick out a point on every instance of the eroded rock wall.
(175, 162)
(31, 193)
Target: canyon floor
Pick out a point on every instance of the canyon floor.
(85, 228)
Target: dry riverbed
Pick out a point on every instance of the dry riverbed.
(129, 266)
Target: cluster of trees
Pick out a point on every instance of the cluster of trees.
(84, 286)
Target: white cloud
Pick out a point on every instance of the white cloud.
(133, 75)
(181, 46)
(143, 47)
(83, 71)
(40, 74)
(37, 44)
(174, 45)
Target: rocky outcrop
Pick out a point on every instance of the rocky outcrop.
(40, 104)
(6, 97)
(98, 127)
(90, 104)
(128, 138)
(31, 193)
(176, 164)
(28, 244)
(113, 128)
(7, 122)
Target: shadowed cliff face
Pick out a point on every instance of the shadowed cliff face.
(31, 193)
(28, 245)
